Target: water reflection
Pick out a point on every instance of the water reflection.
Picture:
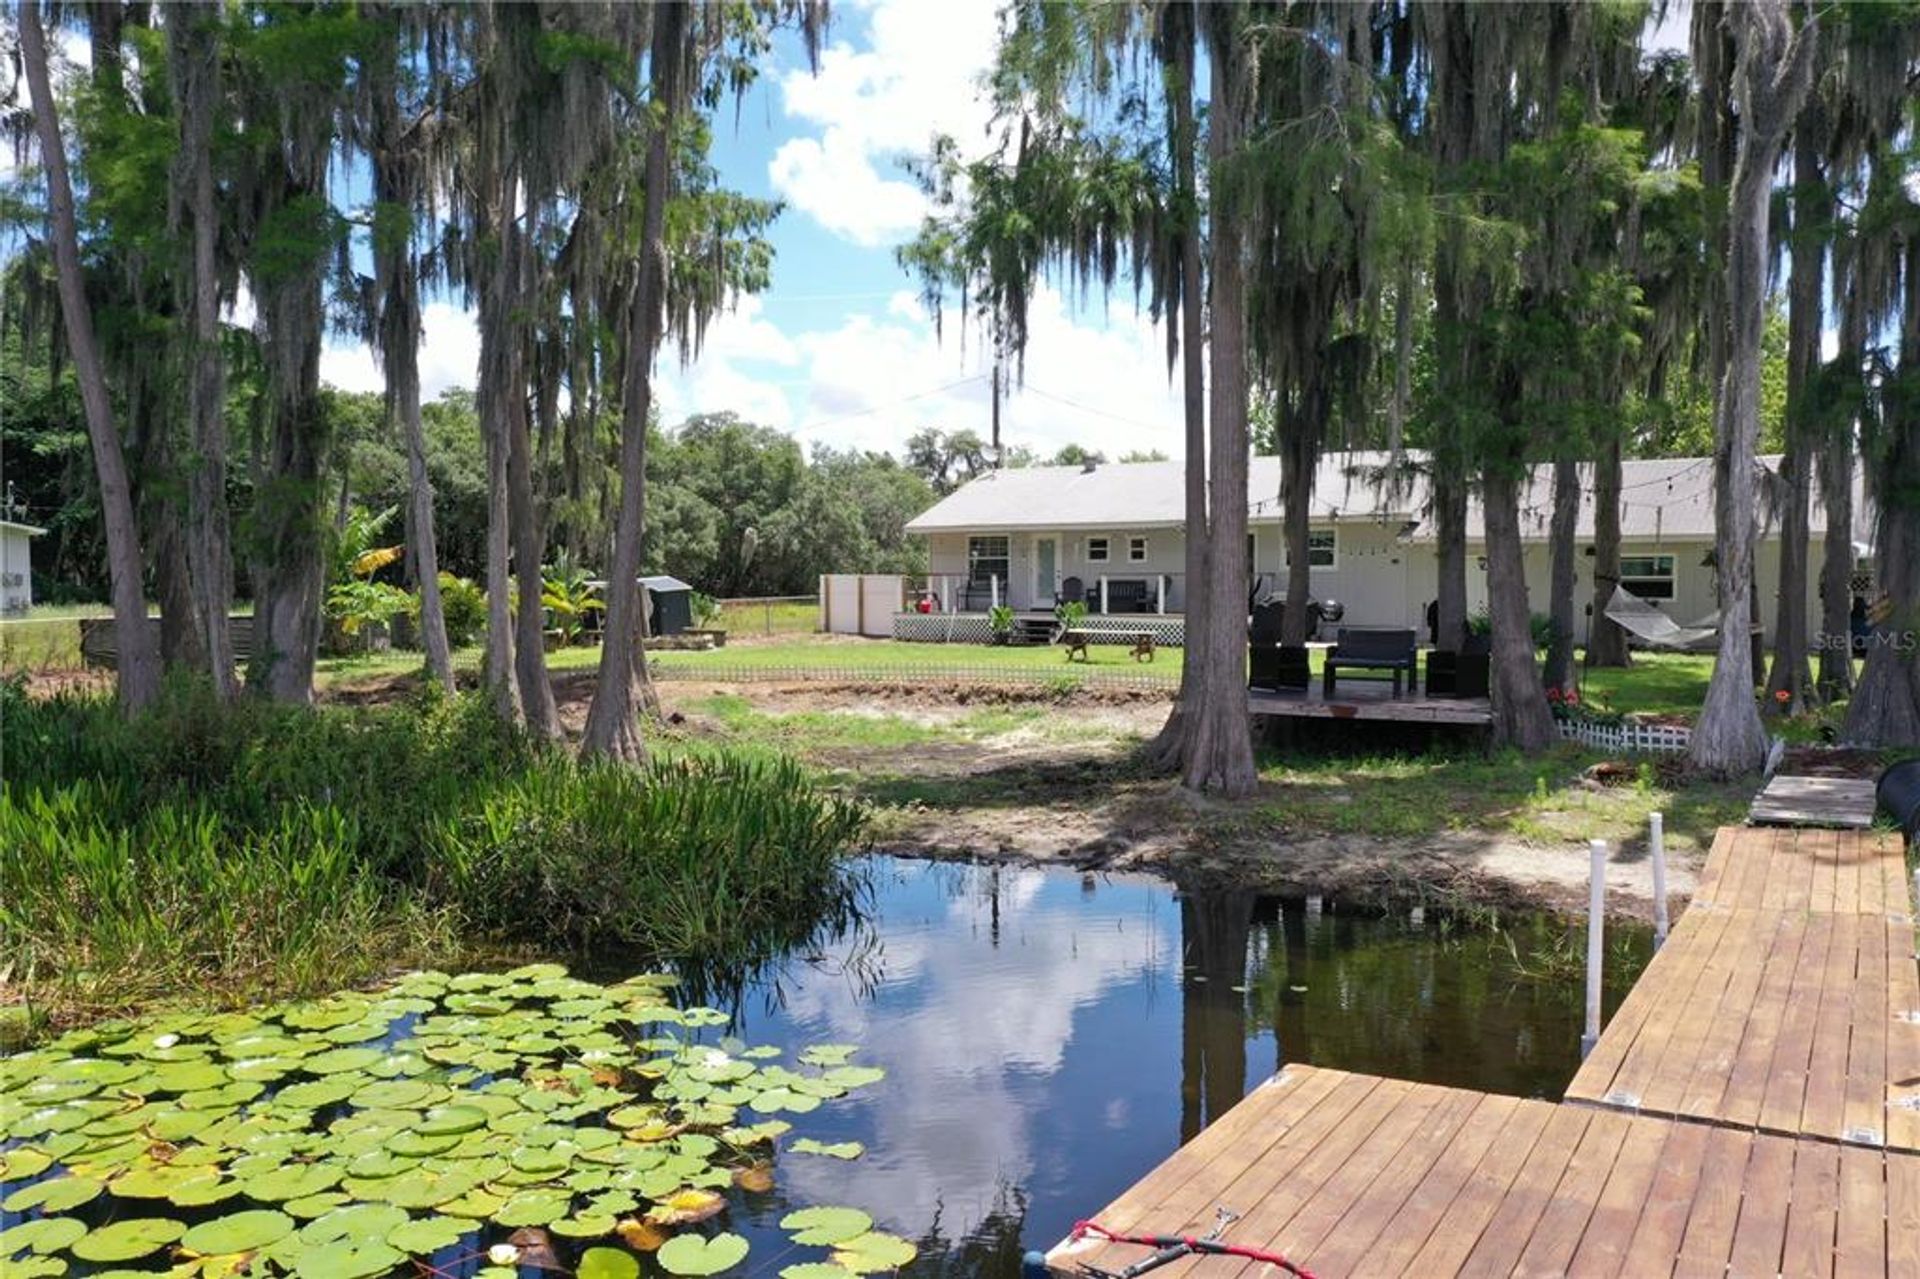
(1049, 1038)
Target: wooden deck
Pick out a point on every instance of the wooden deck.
(1845, 802)
(1349, 1175)
(1361, 698)
(1753, 1109)
(1786, 1000)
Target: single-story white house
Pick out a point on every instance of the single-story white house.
(16, 568)
(1114, 532)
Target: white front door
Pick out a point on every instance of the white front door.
(1045, 557)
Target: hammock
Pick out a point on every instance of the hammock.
(1648, 623)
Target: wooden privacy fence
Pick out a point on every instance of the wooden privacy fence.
(99, 645)
(944, 673)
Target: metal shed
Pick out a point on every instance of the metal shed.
(669, 604)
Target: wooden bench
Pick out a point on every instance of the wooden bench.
(1372, 649)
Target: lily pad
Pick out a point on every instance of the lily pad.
(393, 1094)
(873, 1253)
(587, 1225)
(124, 1240)
(22, 1162)
(292, 1181)
(608, 1263)
(358, 1223)
(534, 1208)
(346, 1259)
(55, 1194)
(684, 1207)
(238, 1232)
(826, 1226)
(444, 1121)
(40, 1236)
(815, 1270)
(697, 1255)
(425, 1236)
(834, 1150)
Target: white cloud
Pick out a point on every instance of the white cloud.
(978, 1034)
(449, 355)
(872, 380)
(919, 75)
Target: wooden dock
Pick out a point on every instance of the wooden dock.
(1373, 700)
(1786, 1000)
(1753, 1109)
(1845, 802)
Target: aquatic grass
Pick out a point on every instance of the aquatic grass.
(99, 917)
(695, 857)
(252, 849)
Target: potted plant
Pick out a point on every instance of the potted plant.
(1000, 620)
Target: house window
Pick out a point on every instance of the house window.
(1096, 550)
(1648, 576)
(986, 557)
(1323, 548)
(1136, 550)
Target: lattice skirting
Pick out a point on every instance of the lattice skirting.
(1658, 739)
(974, 628)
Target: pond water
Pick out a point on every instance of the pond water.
(1044, 1039)
(1050, 1037)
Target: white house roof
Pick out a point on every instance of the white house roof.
(1146, 495)
(14, 526)
(1659, 498)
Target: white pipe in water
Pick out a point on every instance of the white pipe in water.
(1657, 850)
(1596, 917)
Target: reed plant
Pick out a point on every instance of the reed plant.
(250, 850)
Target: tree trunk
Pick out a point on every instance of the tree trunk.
(1606, 639)
(1168, 749)
(1520, 714)
(1836, 496)
(290, 576)
(1561, 539)
(612, 728)
(1789, 683)
(1884, 711)
(496, 385)
(1450, 557)
(194, 63)
(1220, 750)
(1297, 459)
(396, 165)
(529, 549)
(138, 653)
(1774, 71)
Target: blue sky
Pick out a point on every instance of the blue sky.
(839, 350)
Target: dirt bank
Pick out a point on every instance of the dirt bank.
(1043, 776)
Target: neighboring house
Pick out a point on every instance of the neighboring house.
(16, 568)
(1020, 535)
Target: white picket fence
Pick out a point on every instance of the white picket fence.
(1652, 739)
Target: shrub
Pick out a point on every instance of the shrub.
(465, 608)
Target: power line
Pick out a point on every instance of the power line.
(905, 399)
(1088, 408)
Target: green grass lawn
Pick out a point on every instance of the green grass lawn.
(1661, 683)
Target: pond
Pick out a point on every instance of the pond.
(987, 1054)
(1049, 1037)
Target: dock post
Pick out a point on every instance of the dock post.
(1033, 1265)
(1596, 940)
(1657, 851)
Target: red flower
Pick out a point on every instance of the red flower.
(1553, 695)
(1782, 696)
(1573, 697)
